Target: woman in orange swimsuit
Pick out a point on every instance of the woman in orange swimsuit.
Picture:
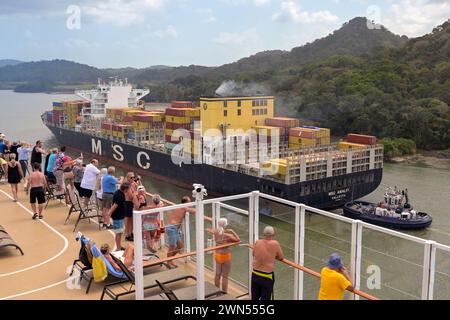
(223, 256)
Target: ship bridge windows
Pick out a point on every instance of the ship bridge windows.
(260, 103)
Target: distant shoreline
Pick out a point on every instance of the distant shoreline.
(435, 159)
(42, 92)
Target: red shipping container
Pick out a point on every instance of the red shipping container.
(56, 116)
(143, 118)
(175, 112)
(127, 119)
(182, 104)
(361, 139)
(299, 132)
(282, 122)
(174, 126)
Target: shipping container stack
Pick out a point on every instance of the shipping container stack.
(67, 113)
(265, 136)
(308, 137)
(72, 111)
(57, 113)
(49, 116)
(149, 126)
(107, 129)
(181, 115)
(276, 168)
(285, 124)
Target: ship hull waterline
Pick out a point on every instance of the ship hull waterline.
(219, 181)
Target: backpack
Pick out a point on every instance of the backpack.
(85, 255)
(59, 163)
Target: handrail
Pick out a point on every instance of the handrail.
(318, 275)
(189, 254)
(173, 204)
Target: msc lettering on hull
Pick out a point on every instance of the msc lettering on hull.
(97, 147)
(118, 155)
(142, 157)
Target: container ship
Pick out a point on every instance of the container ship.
(230, 144)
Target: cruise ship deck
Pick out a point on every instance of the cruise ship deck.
(50, 248)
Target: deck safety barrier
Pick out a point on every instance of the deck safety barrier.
(428, 266)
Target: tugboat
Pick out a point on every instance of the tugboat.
(395, 212)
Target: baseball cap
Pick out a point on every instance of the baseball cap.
(141, 188)
(335, 261)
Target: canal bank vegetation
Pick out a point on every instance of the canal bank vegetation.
(398, 147)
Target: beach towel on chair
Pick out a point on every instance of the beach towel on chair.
(99, 270)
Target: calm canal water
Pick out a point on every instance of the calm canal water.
(400, 261)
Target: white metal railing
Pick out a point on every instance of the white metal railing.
(357, 227)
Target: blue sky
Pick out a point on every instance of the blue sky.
(140, 33)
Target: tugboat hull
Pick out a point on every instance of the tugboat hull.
(424, 220)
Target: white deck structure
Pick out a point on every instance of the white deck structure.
(112, 95)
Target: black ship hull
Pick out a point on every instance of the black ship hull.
(325, 193)
(424, 220)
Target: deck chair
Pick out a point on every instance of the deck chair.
(113, 274)
(50, 193)
(7, 241)
(82, 264)
(189, 293)
(83, 212)
(166, 277)
(74, 206)
(3, 230)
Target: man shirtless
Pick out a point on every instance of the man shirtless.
(264, 254)
(173, 229)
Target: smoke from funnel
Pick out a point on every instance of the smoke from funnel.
(232, 88)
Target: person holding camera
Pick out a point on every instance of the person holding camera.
(334, 280)
(134, 182)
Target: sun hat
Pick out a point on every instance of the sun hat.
(335, 261)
